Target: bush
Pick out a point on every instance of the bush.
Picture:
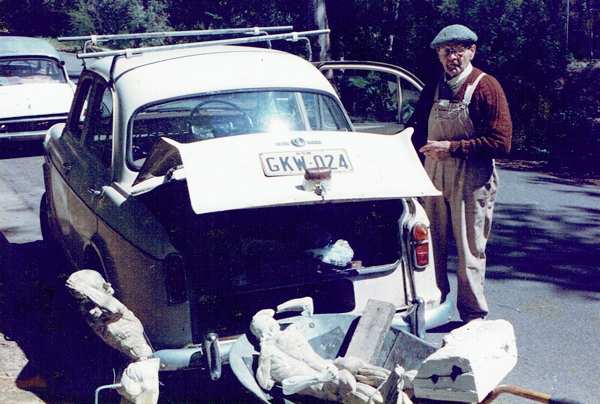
(118, 16)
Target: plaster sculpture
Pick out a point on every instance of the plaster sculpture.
(472, 361)
(117, 326)
(139, 382)
(287, 358)
(339, 253)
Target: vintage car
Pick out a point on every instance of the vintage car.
(35, 90)
(208, 182)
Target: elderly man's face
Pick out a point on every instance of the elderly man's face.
(455, 57)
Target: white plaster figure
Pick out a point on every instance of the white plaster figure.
(339, 253)
(287, 358)
(117, 326)
(304, 305)
(139, 382)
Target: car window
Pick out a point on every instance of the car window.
(378, 101)
(30, 71)
(80, 107)
(99, 136)
(215, 116)
(322, 112)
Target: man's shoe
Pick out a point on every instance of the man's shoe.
(468, 318)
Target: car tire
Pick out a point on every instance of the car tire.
(45, 219)
(52, 246)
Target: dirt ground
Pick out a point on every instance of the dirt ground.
(13, 362)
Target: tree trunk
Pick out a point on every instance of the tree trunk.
(319, 12)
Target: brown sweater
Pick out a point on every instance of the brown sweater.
(489, 113)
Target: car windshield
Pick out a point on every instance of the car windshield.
(209, 117)
(30, 71)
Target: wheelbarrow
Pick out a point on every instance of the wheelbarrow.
(329, 335)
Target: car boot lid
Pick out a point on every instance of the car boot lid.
(238, 172)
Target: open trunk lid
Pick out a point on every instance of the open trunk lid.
(262, 170)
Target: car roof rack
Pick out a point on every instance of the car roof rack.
(259, 34)
(95, 39)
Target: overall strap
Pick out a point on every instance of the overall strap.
(471, 89)
(437, 90)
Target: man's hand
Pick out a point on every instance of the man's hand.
(436, 150)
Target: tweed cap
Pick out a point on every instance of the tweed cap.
(453, 33)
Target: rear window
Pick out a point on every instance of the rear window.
(30, 71)
(210, 117)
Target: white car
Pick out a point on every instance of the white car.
(35, 89)
(207, 183)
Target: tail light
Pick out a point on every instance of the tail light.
(175, 273)
(419, 241)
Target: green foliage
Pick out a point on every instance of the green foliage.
(578, 143)
(33, 17)
(118, 16)
(213, 14)
(375, 104)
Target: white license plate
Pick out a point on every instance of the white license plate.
(296, 162)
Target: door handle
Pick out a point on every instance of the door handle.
(67, 167)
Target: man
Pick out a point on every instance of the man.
(462, 123)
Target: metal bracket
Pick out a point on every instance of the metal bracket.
(213, 355)
(416, 317)
(108, 386)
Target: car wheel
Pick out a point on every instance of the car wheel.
(52, 246)
(45, 218)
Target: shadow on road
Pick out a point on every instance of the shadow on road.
(39, 314)
(10, 149)
(67, 361)
(548, 246)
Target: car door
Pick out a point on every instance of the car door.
(379, 98)
(88, 166)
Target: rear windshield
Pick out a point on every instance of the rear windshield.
(210, 117)
(30, 71)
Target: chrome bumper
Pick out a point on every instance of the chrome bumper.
(416, 322)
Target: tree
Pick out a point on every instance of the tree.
(34, 17)
(118, 16)
(526, 44)
(319, 11)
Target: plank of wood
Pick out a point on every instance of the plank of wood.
(371, 331)
(406, 350)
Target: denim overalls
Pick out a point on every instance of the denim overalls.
(469, 188)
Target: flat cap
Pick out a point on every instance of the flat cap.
(453, 33)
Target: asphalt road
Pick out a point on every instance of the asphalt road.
(543, 277)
